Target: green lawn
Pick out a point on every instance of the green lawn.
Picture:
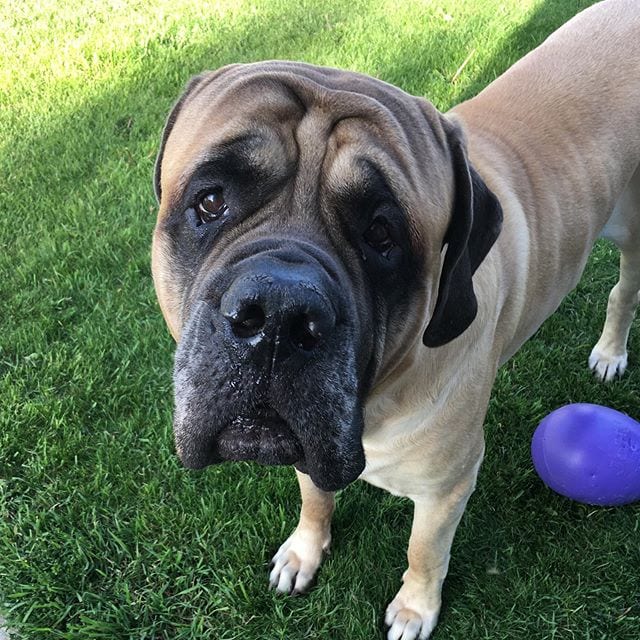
(102, 533)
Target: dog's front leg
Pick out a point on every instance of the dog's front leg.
(413, 613)
(298, 559)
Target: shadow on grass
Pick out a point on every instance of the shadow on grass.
(545, 19)
(548, 16)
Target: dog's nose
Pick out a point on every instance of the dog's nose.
(283, 310)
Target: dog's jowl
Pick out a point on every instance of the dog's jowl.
(344, 269)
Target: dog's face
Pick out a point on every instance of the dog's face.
(298, 257)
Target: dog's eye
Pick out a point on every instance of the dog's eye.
(378, 236)
(212, 206)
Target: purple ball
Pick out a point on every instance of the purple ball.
(590, 454)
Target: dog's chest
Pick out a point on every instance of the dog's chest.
(393, 461)
(386, 472)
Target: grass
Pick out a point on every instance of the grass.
(102, 533)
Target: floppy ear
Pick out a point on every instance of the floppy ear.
(193, 83)
(475, 224)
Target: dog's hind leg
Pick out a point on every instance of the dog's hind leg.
(609, 357)
(298, 559)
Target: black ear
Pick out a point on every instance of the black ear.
(475, 224)
(193, 83)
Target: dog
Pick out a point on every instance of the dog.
(345, 268)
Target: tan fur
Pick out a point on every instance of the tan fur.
(557, 139)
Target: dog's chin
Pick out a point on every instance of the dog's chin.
(262, 435)
(264, 439)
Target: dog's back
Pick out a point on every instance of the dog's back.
(564, 125)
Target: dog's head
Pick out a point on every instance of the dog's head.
(315, 227)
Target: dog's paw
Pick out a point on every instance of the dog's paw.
(411, 615)
(606, 365)
(297, 561)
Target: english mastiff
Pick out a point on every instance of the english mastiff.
(344, 269)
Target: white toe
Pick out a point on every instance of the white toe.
(407, 624)
(296, 562)
(607, 366)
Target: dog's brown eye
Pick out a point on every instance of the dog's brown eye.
(212, 206)
(378, 236)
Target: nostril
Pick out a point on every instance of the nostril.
(305, 333)
(248, 322)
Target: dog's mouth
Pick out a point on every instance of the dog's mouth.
(264, 438)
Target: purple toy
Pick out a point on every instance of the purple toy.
(589, 453)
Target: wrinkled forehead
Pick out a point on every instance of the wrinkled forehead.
(275, 110)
